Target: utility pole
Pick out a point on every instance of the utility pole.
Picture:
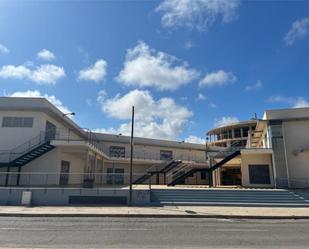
(131, 156)
(209, 164)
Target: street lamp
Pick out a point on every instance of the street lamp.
(68, 114)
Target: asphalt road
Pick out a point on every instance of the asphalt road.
(151, 233)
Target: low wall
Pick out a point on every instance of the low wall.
(66, 196)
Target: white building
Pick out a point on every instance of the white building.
(41, 146)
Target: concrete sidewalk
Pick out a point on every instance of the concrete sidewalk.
(164, 211)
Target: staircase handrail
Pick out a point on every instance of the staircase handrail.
(24, 147)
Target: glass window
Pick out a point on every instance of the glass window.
(245, 131)
(119, 176)
(17, 122)
(166, 155)
(259, 174)
(237, 132)
(117, 151)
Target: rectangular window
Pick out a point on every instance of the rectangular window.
(237, 132)
(166, 155)
(117, 151)
(109, 176)
(245, 131)
(115, 176)
(119, 176)
(26, 122)
(259, 174)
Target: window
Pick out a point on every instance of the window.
(115, 176)
(245, 131)
(26, 122)
(166, 155)
(117, 151)
(259, 174)
(237, 133)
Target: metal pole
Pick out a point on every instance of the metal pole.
(131, 156)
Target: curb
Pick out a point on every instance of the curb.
(156, 216)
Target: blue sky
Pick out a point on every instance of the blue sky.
(185, 65)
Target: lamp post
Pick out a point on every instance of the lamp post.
(131, 156)
(68, 114)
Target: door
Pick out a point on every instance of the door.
(50, 131)
(119, 176)
(64, 173)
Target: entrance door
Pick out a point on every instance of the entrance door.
(64, 173)
(119, 176)
(231, 176)
(50, 131)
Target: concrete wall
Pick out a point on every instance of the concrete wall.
(296, 135)
(61, 196)
(12, 137)
(153, 152)
(262, 159)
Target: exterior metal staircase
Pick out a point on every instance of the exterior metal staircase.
(155, 170)
(26, 152)
(181, 177)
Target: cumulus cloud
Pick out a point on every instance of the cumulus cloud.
(217, 78)
(4, 49)
(195, 140)
(95, 72)
(144, 67)
(293, 102)
(201, 96)
(161, 118)
(196, 14)
(255, 86)
(298, 30)
(46, 55)
(37, 94)
(43, 74)
(225, 121)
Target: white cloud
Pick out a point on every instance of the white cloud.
(298, 102)
(201, 96)
(161, 118)
(196, 14)
(188, 45)
(225, 121)
(46, 55)
(218, 78)
(195, 140)
(255, 86)
(4, 49)
(298, 30)
(37, 94)
(212, 105)
(44, 74)
(95, 72)
(144, 67)
(301, 102)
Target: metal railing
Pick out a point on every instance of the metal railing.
(67, 135)
(10, 155)
(69, 180)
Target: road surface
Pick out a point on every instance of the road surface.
(151, 233)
